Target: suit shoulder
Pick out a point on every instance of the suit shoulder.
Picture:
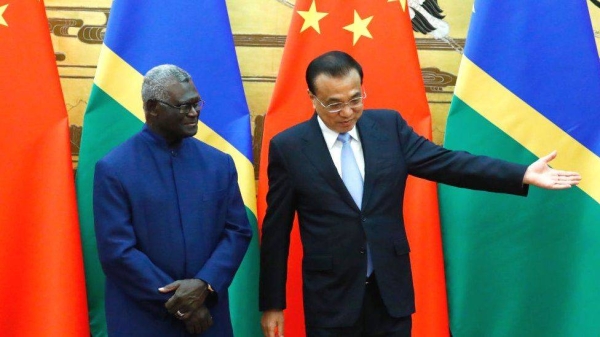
(207, 148)
(212, 155)
(292, 133)
(121, 152)
(384, 117)
(381, 114)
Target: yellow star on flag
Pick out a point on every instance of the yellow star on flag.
(402, 2)
(311, 18)
(2, 21)
(359, 27)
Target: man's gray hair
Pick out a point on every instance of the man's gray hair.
(158, 78)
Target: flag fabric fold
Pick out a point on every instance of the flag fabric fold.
(197, 37)
(528, 84)
(379, 35)
(42, 288)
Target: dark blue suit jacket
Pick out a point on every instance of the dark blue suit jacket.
(164, 214)
(334, 231)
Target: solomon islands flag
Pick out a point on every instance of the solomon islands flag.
(196, 36)
(529, 83)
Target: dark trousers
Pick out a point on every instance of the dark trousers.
(374, 319)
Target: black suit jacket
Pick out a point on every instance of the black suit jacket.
(334, 231)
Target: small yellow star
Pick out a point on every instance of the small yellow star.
(311, 18)
(402, 2)
(359, 27)
(2, 21)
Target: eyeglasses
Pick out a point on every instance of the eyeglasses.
(185, 109)
(337, 107)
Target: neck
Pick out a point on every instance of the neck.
(171, 142)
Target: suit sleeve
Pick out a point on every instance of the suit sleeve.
(458, 168)
(276, 229)
(121, 261)
(233, 243)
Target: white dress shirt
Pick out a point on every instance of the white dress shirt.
(335, 147)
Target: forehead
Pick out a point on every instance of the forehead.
(328, 86)
(181, 91)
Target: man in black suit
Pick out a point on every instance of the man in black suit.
(356, 269)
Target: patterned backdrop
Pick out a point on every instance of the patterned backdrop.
(260, 28)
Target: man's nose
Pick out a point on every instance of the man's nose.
(193, 112)
(346, 110)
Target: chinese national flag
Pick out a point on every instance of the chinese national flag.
(42, 287)
(378, 34)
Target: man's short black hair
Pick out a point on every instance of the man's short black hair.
(335, 64)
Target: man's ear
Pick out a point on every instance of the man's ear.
(312, 98)
(150, 107)
(150, 112)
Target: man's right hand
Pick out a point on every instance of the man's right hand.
(189, 296)
(272, 323)
(198, 321)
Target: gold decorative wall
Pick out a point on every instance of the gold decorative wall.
(259, 27)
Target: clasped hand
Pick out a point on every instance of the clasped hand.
(187, 304)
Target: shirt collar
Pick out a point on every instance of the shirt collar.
(157, 139)
(331, 136)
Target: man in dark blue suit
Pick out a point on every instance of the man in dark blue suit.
(170, 222)
(356, 267)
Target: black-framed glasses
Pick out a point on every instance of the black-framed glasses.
(185, 108)
(338, 106)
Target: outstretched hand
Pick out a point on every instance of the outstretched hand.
(541, 175)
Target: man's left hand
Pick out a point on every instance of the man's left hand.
(189, 296)
(199, 321)
(541, 175)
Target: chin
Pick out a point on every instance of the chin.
(191, 132)
(345, 129)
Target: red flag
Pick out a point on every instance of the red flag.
(42, 287)
(378, 34)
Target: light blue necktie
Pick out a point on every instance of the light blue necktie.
(353, 181)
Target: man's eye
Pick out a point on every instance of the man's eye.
(335, 106)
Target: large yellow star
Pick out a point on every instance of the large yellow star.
(402, 2)
(2, 21)
(359, 27)
(311, 18)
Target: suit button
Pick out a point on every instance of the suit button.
(364, 219)
(362, 250)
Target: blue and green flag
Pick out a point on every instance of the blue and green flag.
(196, 36)
(528, 84)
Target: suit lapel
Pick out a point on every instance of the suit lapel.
(369, 138)
(316, 151)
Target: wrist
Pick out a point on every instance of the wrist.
(209, 288)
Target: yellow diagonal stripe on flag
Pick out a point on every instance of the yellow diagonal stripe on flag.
(124, 84)
(526, 125)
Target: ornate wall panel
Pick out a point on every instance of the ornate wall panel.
(260, 28)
